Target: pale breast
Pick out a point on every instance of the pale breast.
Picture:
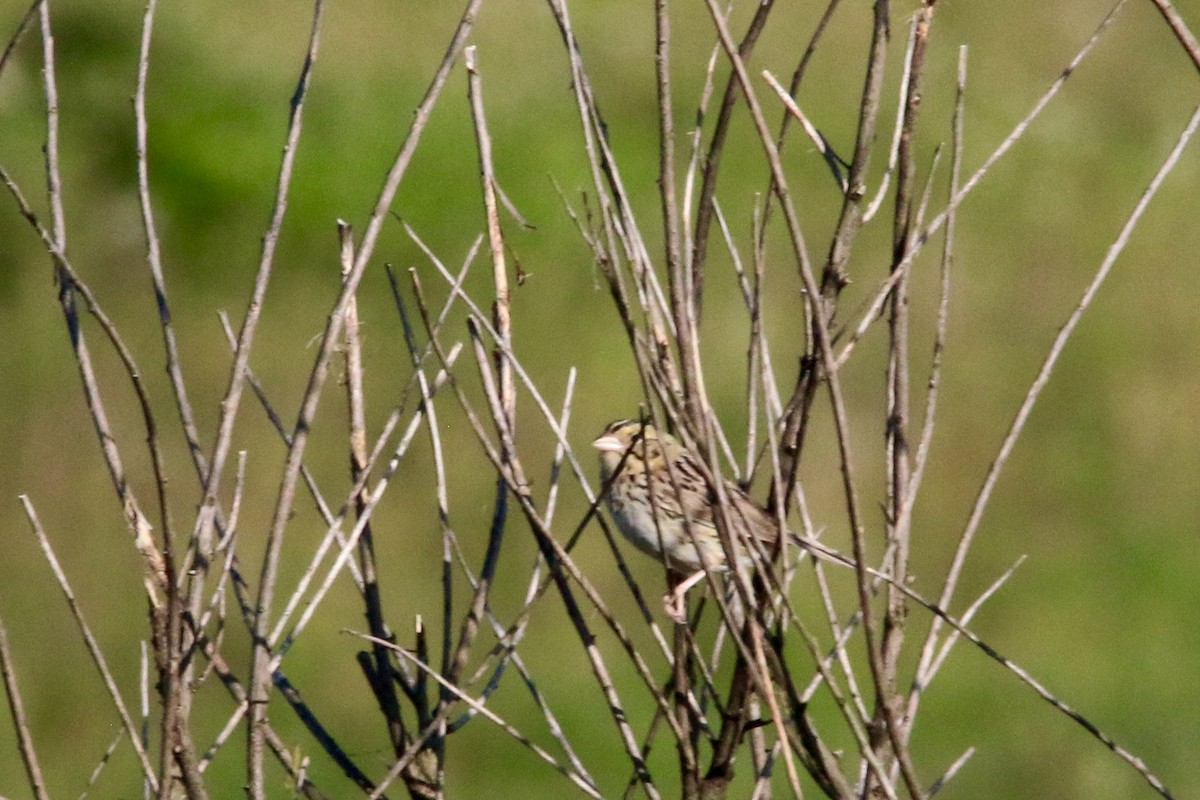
(636, 524)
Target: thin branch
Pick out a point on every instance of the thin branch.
(33, 771)
(245, 340)
(15, 39)
(712, 158)
(1186, 38)
(871, 314)
(579, 780)
(959, 626)
(683, 284)
(260, 678)
(939, 341)
(98, 770)
(89, 640)
(260, 686)
(951, 771)
(897, 421)
(1056, 349)
(820, 142)
(902, 110)
(154, 255)
(834, 277)
(501, 307)
(833, 384)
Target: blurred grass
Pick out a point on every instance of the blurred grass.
(1101, 493)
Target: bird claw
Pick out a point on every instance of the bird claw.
(676, 601)
(675, 604)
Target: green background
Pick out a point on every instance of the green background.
(1101, 493)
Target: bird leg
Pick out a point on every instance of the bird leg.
(675, 603)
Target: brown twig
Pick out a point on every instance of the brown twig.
(682, 283)
(834, 277)
(501, 307)
(712, 158)
(33, 771)
(560, 566)
(1187, 39)
(245, 339)
(1043, 377)
(15, 39)
(899, 467)
(903, 107)
(931, 400)
(260, 678)
(89, 640)
(262, 657)
(177, 702)
(377, 664)
(926, 232)
(154, 255)
(825, 354)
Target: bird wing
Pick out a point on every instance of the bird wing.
(752, 516)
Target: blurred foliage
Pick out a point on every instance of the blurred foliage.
(1101, 493)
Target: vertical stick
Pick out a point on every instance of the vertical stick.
(501, 306)
(28, 756)
(685, 303)
(260, 677)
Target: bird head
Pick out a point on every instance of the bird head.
(647, 447)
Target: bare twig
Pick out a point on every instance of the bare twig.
(262, 670)
(154, 255)
(501, 307)
(880, 297)
(102, 763)
(896, 447)
(810, 130)
(1052, 356)
(245, 339)
(22, 26)
(504, 413)
(951, 771)
(939, 342)
(712, 158)
(260, 678)
(903, 107)
(825, 354)
(572, 775)
(683, 283)
(33, 771)
(1186, 38)
(92, 645)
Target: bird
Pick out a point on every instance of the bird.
(634, 459)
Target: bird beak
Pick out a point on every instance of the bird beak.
(608, 444)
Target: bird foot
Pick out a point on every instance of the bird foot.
(675, 604)
(676, 601)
